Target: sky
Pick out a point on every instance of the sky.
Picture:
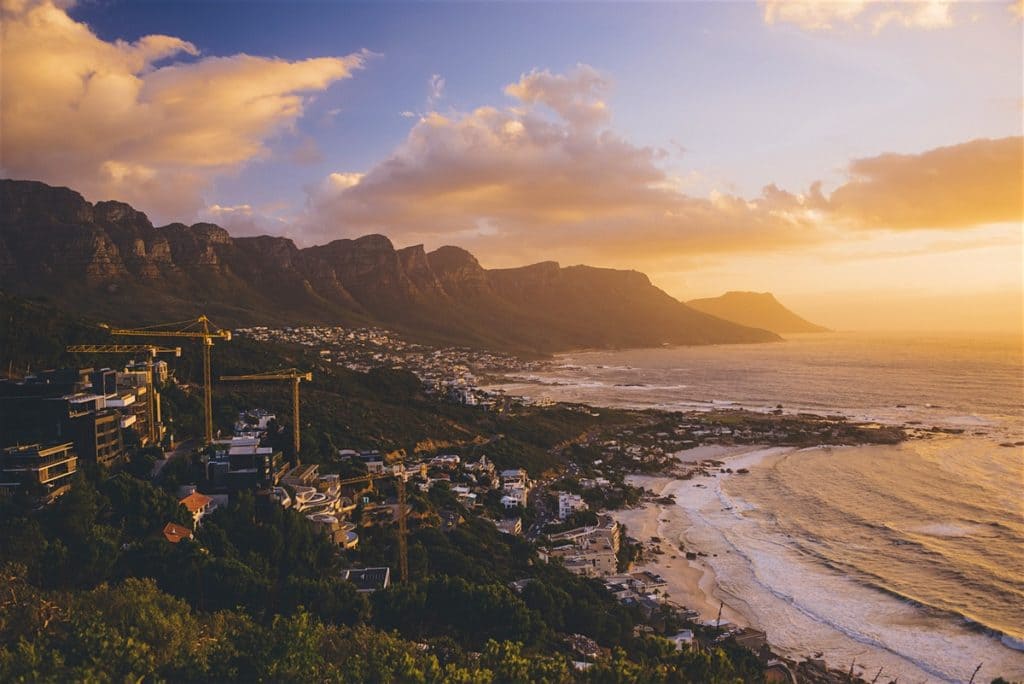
(860, 159)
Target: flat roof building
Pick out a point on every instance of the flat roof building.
(368, 580)
(37, 471)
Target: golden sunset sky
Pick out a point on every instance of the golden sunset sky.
(862, 160)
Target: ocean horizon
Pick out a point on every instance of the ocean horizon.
(903, 557)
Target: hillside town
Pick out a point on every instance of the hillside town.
(62, 422)
(451, 372)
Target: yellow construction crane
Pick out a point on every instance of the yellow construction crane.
(152, 350)
(400, 474)
(196, 329)
(286, 374)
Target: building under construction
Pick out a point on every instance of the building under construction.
(82, 406)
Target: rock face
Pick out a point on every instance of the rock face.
(108, 260)
(755, 309)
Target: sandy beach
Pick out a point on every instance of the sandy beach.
(689, 583)
(804, 607)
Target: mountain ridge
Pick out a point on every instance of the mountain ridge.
(107, 259)
(755, 309)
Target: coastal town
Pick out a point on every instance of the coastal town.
(512, 342)
(568, 511)
(451, 372)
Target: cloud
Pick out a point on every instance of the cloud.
(544, 173)
(548, 174)
(974, 183)
(243, 220)
(437, 84)
(577, 97)
(823, 15)
(110, 119)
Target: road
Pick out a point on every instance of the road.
(538, 501)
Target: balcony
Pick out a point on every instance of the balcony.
(57, 472)
(26, 463)
(121, 401)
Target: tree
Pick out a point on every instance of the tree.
(139, 508)
(508, 664)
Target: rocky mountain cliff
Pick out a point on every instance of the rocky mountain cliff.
(756, 309)
(107, 260)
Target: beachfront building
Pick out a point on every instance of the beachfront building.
(589, 551)
(569, 504)
(682, 640)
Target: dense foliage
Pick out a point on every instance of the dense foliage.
(95, 592)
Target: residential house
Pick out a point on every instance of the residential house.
(199, 505)
(174, 533)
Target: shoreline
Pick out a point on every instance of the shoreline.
(708, 520)
(692, 584)
(794, 587)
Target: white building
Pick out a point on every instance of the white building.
(513, 475)
(569, 504)
(682, 640)
(517, 492)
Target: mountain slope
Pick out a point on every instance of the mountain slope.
(107, 260)
(755, 309)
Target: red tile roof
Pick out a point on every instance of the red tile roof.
(195, 502)
(175, 533)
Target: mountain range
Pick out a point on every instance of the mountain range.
(107, 260)
(757, 310)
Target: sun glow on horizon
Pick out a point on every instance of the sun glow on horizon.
(868, 154)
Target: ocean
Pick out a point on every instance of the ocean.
(908, 558)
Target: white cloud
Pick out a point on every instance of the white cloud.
(822, 15)
(577, 96)
(437, 84)
(512, 182)
(104, 118)
(243, 220)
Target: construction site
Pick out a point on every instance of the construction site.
(60, 419)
